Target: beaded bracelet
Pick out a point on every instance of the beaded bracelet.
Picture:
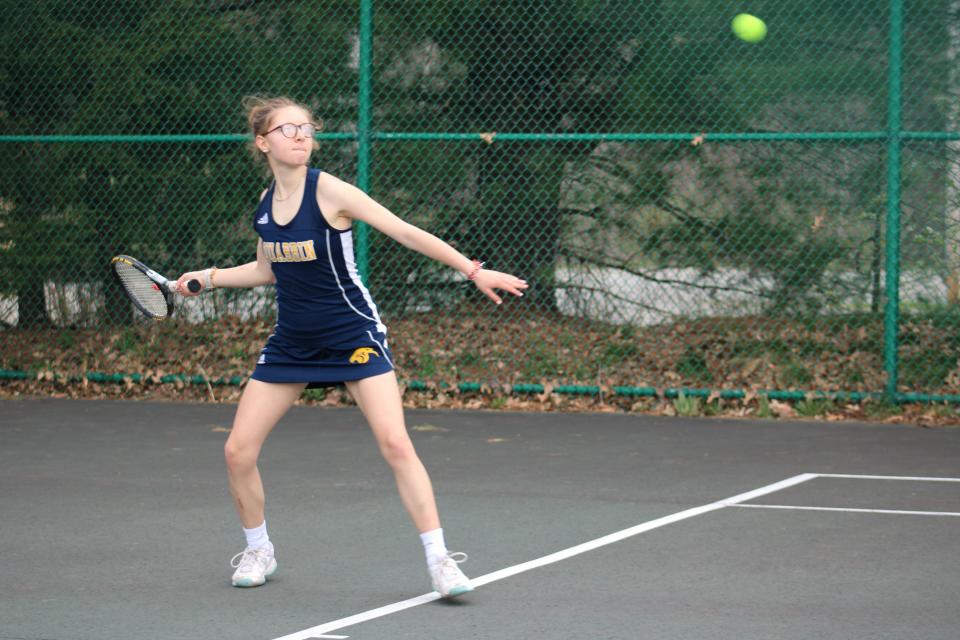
(477, 266)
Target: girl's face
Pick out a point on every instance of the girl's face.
(289, 138)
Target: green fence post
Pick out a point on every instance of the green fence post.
(364, 137)
(894, 142)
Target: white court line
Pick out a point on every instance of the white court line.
(851, 510)
(846, 475)
(335, 625)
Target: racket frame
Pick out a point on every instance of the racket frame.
(167, 287)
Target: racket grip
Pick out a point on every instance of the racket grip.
(194, 286)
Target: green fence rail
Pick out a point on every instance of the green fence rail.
(694, 212)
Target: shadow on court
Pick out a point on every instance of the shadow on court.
(118, 523)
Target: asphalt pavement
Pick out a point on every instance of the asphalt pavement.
(117, 523)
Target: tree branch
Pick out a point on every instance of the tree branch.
(649, 278)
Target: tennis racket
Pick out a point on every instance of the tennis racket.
(149, 291)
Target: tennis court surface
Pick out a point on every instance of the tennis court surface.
(118, 523)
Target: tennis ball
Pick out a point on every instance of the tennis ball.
(749, 28)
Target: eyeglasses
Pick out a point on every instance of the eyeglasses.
(289, 130)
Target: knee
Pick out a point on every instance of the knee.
(397, 450)
(239, 457)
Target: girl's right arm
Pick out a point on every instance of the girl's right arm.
(252, 274)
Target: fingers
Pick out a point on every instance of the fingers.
(493, 296)
(182, 288)
(511, 284)
(502, 281)
(515, 288)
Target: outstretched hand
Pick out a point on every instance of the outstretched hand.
(487, 281)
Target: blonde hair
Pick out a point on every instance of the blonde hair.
(260, 111)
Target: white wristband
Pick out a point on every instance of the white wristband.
(208, 278)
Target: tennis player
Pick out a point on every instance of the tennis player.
(328, 330)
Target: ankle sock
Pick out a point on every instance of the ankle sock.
(257, 537)
(434, 546)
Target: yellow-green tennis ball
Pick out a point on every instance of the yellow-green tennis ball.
(749, 28)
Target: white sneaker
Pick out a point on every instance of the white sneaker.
(253, 566)
(447, 578)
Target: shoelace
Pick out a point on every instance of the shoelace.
(449, 569)
(247, 558)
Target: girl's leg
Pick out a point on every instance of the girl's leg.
(261, 407)
(379, 399)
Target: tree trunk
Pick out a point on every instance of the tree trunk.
(519, 231)
(32, 304)
(32, 257)
(99, 199)
(952, 173)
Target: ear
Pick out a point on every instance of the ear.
(262, 144)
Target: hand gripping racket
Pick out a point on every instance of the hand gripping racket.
(148, 290)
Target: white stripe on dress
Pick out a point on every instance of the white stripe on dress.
(383, 347)
(346, 244)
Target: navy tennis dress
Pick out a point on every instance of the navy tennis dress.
(328, 329)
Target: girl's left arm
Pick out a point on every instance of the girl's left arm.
(350, 202)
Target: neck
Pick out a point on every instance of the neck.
(289, 180)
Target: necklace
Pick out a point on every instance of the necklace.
(284, 199)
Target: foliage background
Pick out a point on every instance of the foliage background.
(663, 254)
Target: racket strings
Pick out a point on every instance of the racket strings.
(142, 289)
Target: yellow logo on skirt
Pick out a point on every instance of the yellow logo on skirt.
(362, 355)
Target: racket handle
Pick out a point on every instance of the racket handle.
(194, 285)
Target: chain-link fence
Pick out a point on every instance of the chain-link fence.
(692, 211)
